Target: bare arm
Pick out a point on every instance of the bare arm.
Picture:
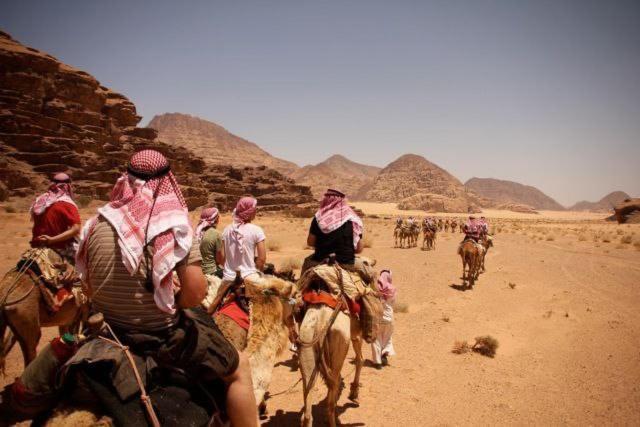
(311, 240)
(359, 246)
(220, 256)
(62, 237)
(261, 257)
(193, 285)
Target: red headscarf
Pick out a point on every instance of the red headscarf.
(60, 190)
(244, 211)
(147, 206)
(208, 218)
(334, 212)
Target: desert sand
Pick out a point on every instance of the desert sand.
(560, 295)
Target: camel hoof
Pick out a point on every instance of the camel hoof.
(355, 400)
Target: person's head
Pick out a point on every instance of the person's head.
(147, 165)
(211, 215)
(246, 209)
(332, 198)
(62, 182)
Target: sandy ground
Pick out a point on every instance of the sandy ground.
(560, 295)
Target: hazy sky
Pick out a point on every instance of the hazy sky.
(546, 93)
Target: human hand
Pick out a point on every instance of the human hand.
(44, 239)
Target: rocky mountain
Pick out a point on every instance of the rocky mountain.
(419, 184)
(605, 204)
(214, 143)
(509, 192)
(336, 172)
(55, 118)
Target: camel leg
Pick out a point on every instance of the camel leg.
(356, 340)
(27, 333)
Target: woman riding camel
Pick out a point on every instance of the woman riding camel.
(336, 229)
(244, 250)
(127, 257)
(56, 220)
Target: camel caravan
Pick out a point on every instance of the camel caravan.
(164, 324)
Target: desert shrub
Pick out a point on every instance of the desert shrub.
(460, 347)
(274, 245)
(83, 200)
(582, 237)
(10, 209)
(290, 264)
(606, 239)
(512, 285)
(367, 241)
(486, 345)
(445, 318)
(619, 232)
(620, 246)
(400, 307)
(550, 238)
(626, 239)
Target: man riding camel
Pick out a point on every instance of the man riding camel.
(211, 249)
(337, 229)
(56, 220)
(127, 257)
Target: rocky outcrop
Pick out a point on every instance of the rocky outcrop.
(337, 172)
(628, 211)
(56, 118)
(511, 193)
(516, 207)
(215, 144)
(603, 205)
(412, 175)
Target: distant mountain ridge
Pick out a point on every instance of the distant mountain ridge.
(336, 172)
(605, 204)
(502, 191)
(215, 144)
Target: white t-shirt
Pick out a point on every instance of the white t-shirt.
(234, 259)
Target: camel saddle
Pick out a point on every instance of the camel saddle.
(56, 278)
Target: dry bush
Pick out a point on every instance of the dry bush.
(445, 318)
(274, 245)
(460, 347)
(582, 237)
(550, 238)
(290, 264)
(486, 345)
(606, 239)
(626, 239)
(10, 209)
(400, 307)
(367, 241)
(512, 285)
(619, 232)
(620, 246)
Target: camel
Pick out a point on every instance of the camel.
(454, 225)
(270, 320)
(446, 225)
(415, 234)
(471, 258)
(334, 346)
(24, 311)
(429, 239)
(487, 243)
(397, 235)
(440, 224)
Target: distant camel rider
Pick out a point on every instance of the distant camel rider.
(472, 229)
(210, 243)
(337, 229)
(56, 220)
(399, 221)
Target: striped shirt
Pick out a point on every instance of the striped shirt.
(120, 297)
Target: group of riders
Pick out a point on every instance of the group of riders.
(474, 229)
(144, 268)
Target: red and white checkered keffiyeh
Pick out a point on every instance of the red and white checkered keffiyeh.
(242, 214)
(334, 212)
(208, 218)
(154, 207)
(60, 190)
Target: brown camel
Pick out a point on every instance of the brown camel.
(429, 239)
(334, 347)
(471, 258)
(23, 310)
(446, 225)
(440, 224)
(397, 235)
(454, 226)
(486, 243)
(271, 318)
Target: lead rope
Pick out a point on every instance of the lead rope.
(20, 272)
(144, 397)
